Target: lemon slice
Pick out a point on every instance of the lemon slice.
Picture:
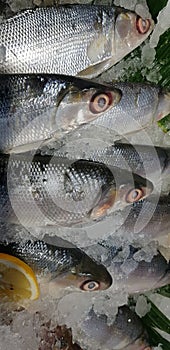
(17, 279)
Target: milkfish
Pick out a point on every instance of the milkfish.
(150, 217)
(63, 266)
(141, 105)
(37, 108)
(136, 276)
(125, 332)
(71, 39)
(45, 190)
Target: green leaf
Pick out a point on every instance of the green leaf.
(156, 318)
(165, 124)
(155, 6)
(155, 339)
(165, 291)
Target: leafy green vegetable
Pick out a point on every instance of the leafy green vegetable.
(165, 124)
(165, 291)
(156, 6)
(156, 338)
(156, 318)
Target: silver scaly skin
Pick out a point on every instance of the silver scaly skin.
(44, 190)
(70, 39)
(149, 217)
(140, 159)
(67, 266)
(37, 108)
(141, 105)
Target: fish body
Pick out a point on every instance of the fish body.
(68, 266)
(37, 108)
(143, 160)
(44, 190)
(71, 39)
(141, 105)
(126, 332)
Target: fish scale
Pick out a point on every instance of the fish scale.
(36, 108)
(44, 190)
(70, 39)
(32, 39)
(67, 266)
(138, 107)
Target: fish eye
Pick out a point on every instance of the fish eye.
(134, 195)
(90, 286)
(142, 25)
(100, 102)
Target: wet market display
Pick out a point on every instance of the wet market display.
(84, 175)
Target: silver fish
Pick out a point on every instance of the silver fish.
(37, 108)
(44, 190)
(141, 105)
(144, 276)
(71, 39)
(149, 217)
(126, 332)
(66, 266)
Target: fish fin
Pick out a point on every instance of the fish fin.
(94, 70)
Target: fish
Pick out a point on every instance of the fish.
(148, 218)
(64, 266)
(37, 108)
(125, 332)
(79, 40)
(141, 105)
(144, 275)
(47, 190)
(144, 160)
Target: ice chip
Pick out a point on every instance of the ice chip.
(142, 307)
(148, 55)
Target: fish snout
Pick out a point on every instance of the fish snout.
(130, 31)
(163, 108)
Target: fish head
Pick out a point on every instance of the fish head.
(83, 103)
(83, 273)
(130, 31)
(125, 333)
(90, 276)
(163, 107)
(127, 189)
